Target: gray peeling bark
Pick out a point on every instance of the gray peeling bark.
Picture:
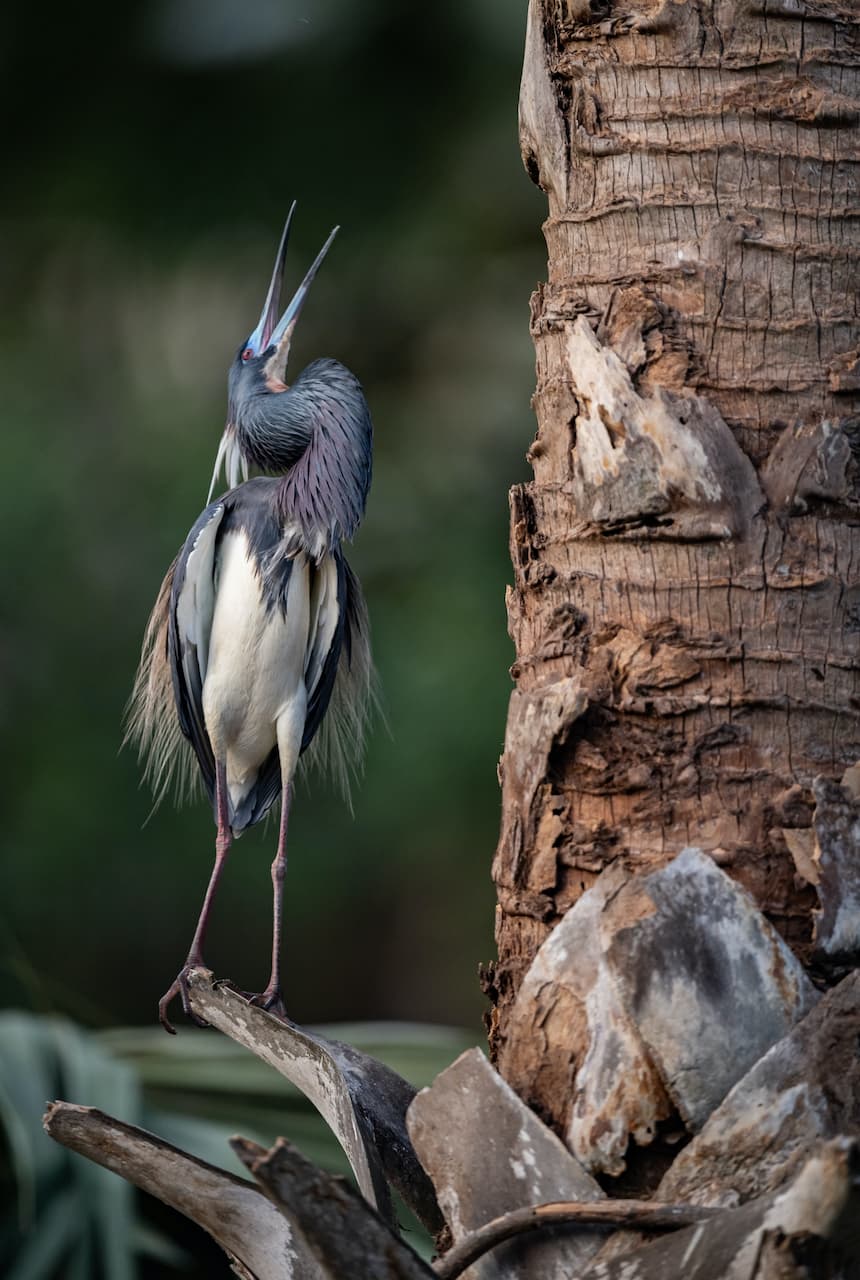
(686, 602)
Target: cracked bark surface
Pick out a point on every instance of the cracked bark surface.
(686, 596)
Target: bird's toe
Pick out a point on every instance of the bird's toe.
(179, 987)
(272, 1001)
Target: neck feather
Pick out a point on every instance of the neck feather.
(325, 490)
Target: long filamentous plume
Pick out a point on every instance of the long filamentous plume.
(151, 719)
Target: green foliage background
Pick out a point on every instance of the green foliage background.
(150, 154)
(155, 149)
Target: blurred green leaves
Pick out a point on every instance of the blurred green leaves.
(62, 1209)
(148, 171)
(194, 1090)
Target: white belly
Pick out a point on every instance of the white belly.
(254, 689)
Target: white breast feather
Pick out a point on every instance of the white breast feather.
(256, 667)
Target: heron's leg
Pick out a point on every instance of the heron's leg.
(271, 998)
(194, 959)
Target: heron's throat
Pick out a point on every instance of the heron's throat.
(272, 430)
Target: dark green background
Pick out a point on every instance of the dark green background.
(150, 153)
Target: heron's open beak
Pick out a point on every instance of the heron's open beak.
(260, 338)
(267, 333)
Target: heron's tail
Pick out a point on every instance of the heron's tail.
(338, 745)
(151, 720)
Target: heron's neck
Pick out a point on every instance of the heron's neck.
(274, 430)
(325, 490)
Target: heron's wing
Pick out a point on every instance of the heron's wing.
(349, 683)
(325, 638)
(192, 604)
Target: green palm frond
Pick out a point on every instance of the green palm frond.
(64, 1208)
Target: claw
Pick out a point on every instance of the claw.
(179, 987)
(272, 1001)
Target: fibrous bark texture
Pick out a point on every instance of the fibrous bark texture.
(664, 990)
(686, 597)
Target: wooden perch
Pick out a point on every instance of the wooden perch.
(303, 1225)
(346, 1235)
(362, 1101)
(260, 1242)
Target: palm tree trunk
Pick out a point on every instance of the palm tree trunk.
(686, 598)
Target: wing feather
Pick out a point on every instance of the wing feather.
(338, 746)
(151, 721)
(328, 617)
(192, 604)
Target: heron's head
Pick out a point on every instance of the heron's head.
(257, 376)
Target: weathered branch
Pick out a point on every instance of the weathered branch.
(303, 1225)
(260, 1242)
(538, 1217)
(362, 1101)
(346, 1235)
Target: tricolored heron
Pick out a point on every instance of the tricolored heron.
(260, 627)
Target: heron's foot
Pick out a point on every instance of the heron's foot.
(179, 988)
(271, 1000)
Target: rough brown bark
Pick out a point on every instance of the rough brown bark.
(686, 598)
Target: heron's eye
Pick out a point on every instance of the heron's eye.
(247, 353)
